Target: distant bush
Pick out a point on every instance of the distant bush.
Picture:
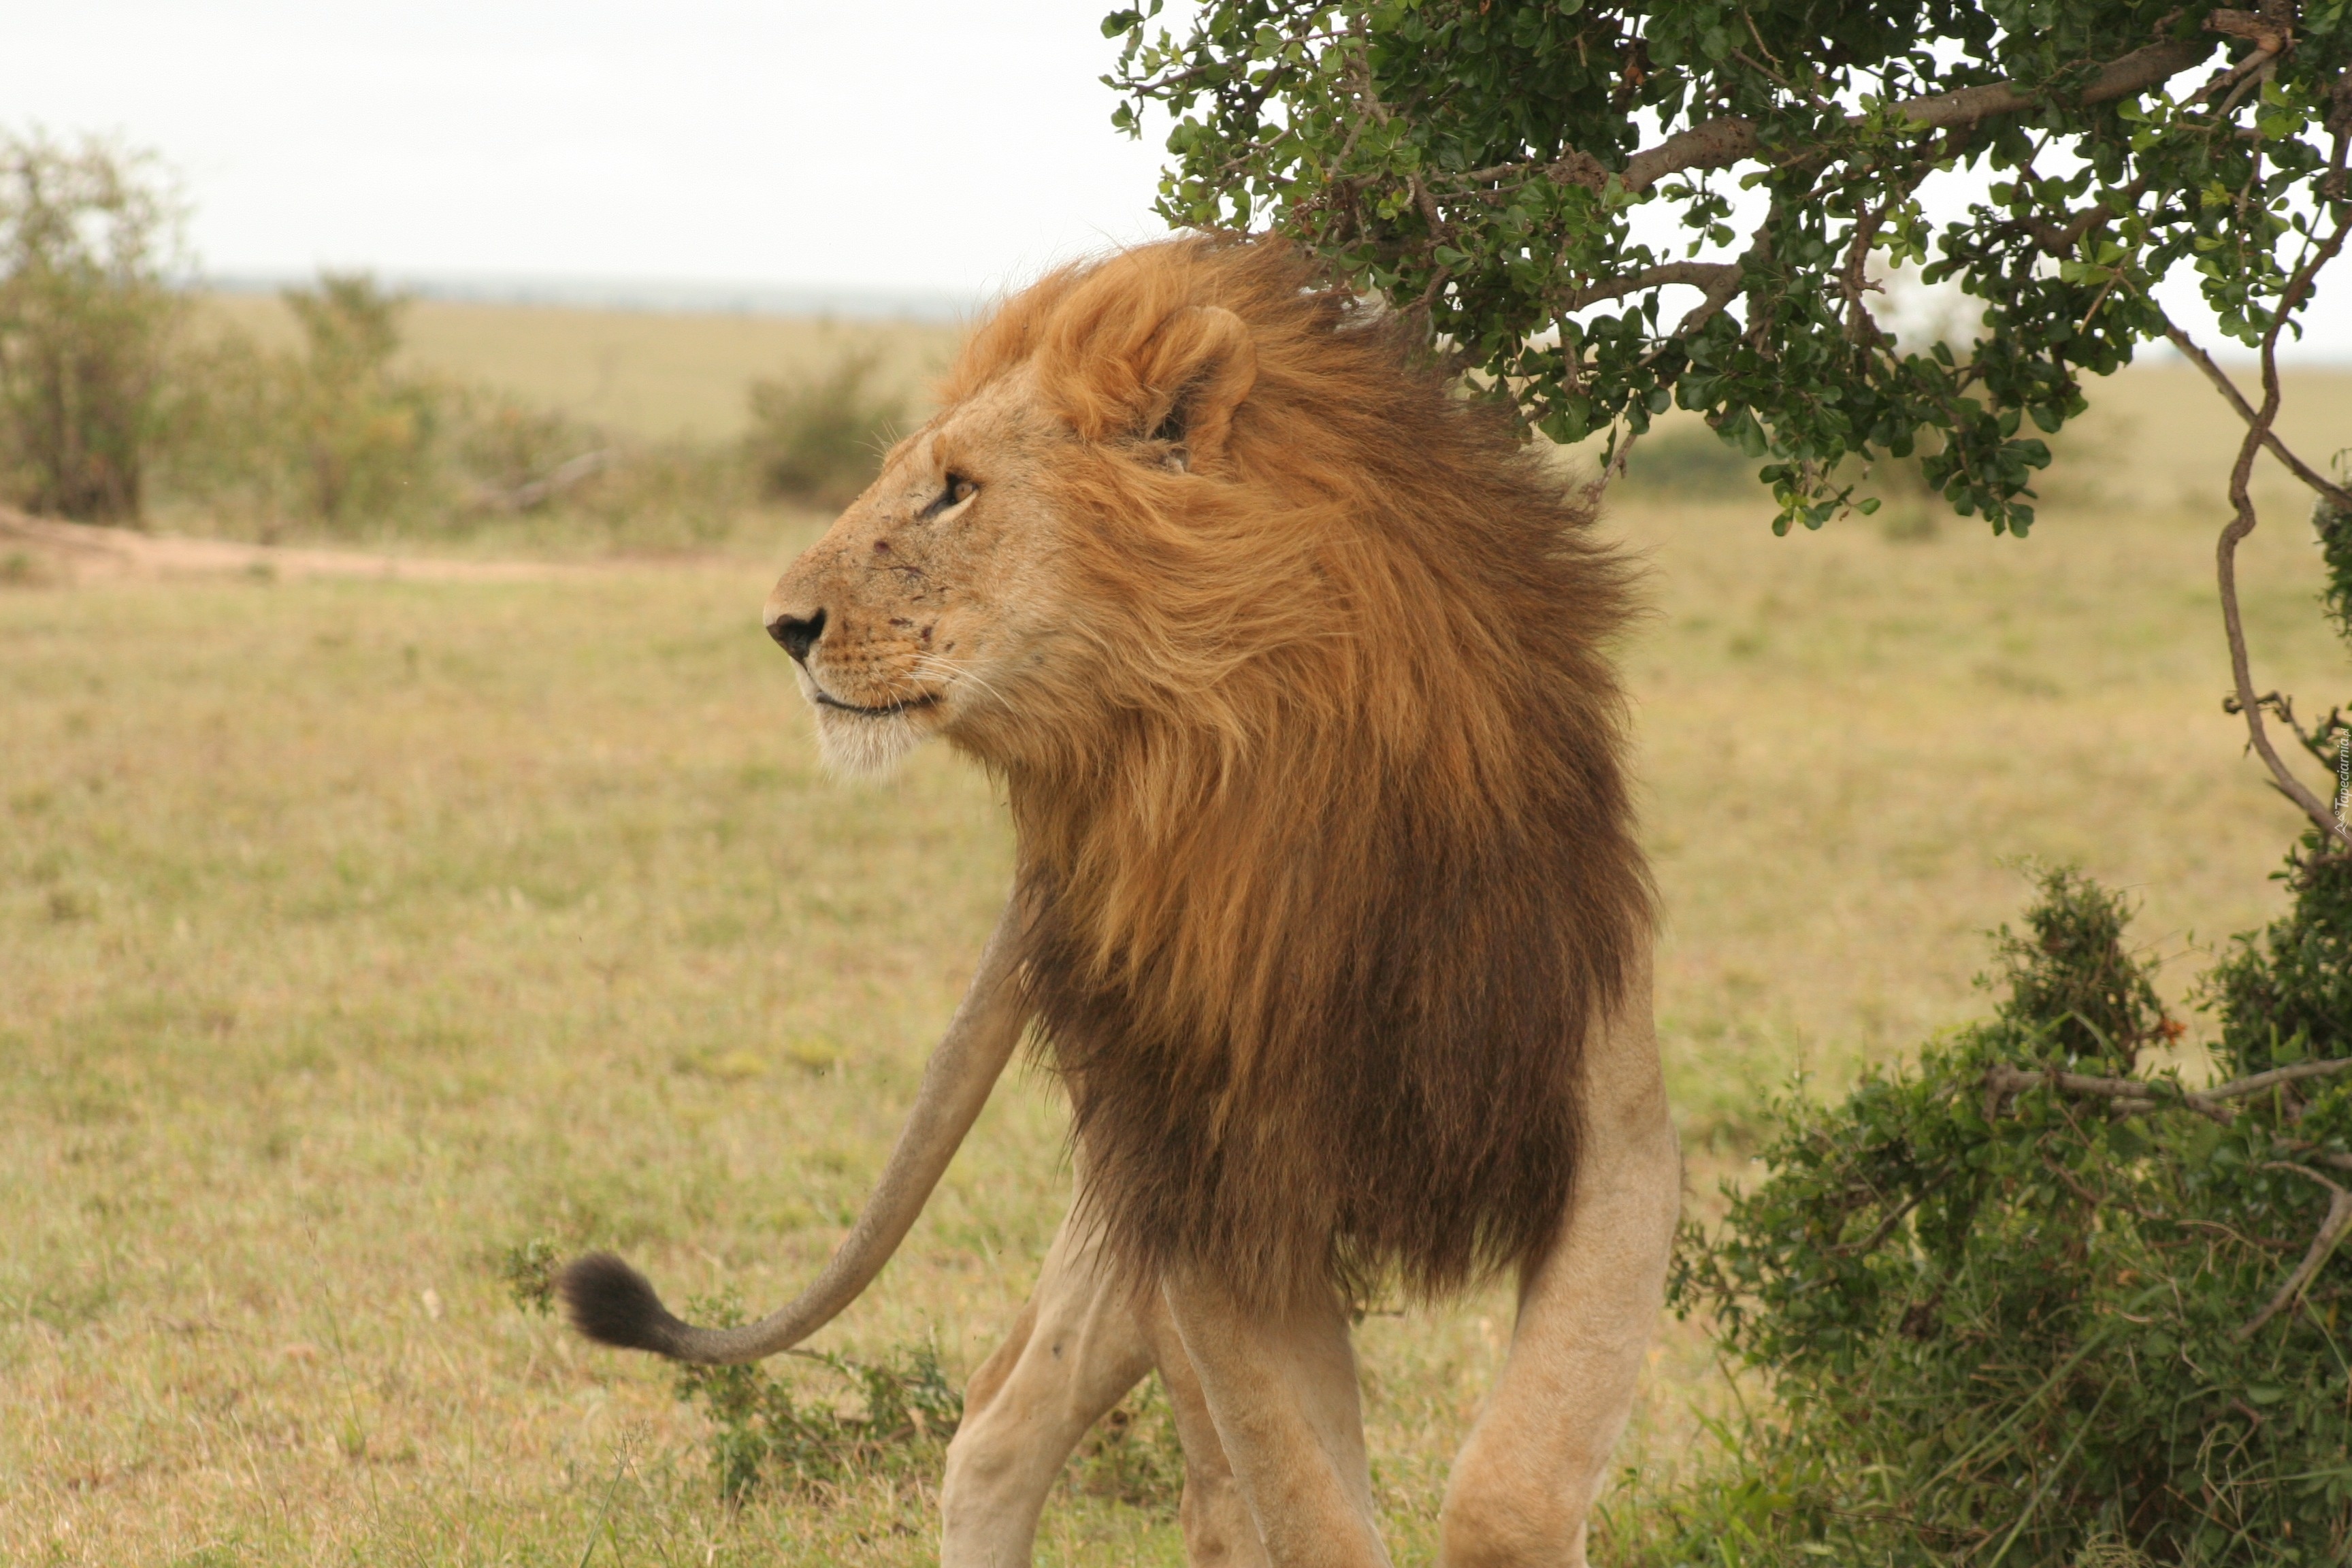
(107, 403)
(1690, 462)
(361, 433)
(87, 234)
(520, 457)
(336, 436)
(819, 437)
(332, 435)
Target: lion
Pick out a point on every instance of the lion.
(1327, 908)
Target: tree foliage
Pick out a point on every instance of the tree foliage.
(2035, 1299)
(1543, 179)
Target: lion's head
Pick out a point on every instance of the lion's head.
(965, 593)
(1292, 662)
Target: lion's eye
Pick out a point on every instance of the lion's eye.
(955, 492)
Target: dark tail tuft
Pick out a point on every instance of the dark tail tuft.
(614, 1304)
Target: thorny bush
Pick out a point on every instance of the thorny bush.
(2032, 1301)
(2019, 1300)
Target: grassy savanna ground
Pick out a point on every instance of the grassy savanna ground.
(640, 372)
(353, 932)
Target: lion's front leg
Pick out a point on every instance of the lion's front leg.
(1074, 1352)
(1524, 1485)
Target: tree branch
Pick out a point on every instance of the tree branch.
(1720, 293)
(2225, 551)
(1705, 275)
(2195, 354)
(2323, 1245)
(2239, 1087)
(1714, 143)
(2135, 1095)
(1710, 144)
(2135, 72)
(2129, 1095)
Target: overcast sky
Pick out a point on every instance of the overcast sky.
(921, 148)
(910, 146)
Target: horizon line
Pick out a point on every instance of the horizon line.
(942, 307)
(666, 295)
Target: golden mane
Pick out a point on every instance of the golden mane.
(1333, 857)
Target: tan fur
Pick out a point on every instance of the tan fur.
(1291, 662)
(1293, 665)
(1265, 1481)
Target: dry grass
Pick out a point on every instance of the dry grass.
(353, 932)
(638, 371)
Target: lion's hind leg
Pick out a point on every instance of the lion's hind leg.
(1524, 1482)
(1281, 1392)
(1218, 1529)
(1075, 1350)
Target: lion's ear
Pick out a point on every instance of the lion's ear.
(1196, 371)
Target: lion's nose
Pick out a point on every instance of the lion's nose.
(796, 637)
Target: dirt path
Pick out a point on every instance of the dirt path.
(36, 551)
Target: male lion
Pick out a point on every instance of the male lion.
(1328, 907)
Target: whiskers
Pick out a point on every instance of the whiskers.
(932, 664)
(868, 744)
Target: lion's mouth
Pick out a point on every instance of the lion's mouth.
(887, 710)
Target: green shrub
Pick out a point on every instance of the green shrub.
(2074, 992)
(2335, 530)
(528, 1268)
(766, 1431)
(819, 437)
(2021, 1306)
(2284, 995)
(763, 1434)
(87, 234)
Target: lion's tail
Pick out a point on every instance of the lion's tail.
(614, 1304)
